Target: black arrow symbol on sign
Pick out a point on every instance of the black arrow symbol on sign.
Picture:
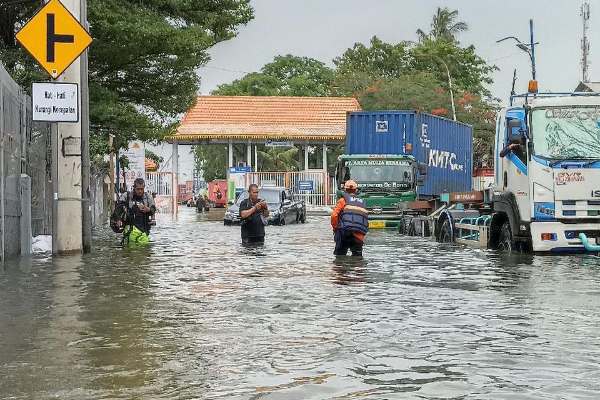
(53, 38)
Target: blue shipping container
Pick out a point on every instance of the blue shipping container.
(445, 146)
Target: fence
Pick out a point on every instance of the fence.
(162, 183)
(12, 118)
(314, 187)
(23, 150)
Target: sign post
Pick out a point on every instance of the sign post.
(56, 39)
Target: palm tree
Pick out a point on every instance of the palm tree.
(443, 26)
(278, 159)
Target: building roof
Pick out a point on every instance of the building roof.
(150, 165)
(266, 117)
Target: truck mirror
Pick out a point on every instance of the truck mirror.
(422, 167)
(515, 134)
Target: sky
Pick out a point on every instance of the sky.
(324, 29)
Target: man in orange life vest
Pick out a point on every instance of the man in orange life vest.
(349, 222)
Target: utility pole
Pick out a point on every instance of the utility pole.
(86, 207)
(532, 47)
(585, 45)
(69, 224)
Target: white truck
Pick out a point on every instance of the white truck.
(546, 197)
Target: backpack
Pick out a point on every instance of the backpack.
(119, 214)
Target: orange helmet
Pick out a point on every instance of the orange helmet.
(350, 184)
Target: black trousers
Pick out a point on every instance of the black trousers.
(253, 240)
(345, 241)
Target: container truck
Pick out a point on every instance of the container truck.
(397, 157)
(547, 198)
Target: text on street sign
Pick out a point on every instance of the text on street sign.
(55, 102)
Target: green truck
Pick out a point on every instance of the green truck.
(385, 182)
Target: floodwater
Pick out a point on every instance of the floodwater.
(195, 315)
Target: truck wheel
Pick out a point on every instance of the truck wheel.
(505, 242)
(446, 233)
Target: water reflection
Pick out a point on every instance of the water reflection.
(349, 270)
(197, 315)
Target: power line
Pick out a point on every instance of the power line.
(229, 70)
(503, 57)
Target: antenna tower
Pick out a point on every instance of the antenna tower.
(585, 45)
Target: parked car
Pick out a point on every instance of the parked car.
(283, 209)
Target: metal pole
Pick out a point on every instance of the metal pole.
(86, 207)
(111, 190)
(532, 49)
(2, 179)
(54, 173)
(451, 93)
(26, 231)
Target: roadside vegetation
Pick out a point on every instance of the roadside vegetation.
(145, 55)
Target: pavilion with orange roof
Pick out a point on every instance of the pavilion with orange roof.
(265, 120)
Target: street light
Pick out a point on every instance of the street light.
(447, 74)
(529, 48)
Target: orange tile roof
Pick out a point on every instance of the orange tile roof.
(150, 165)
(266, 117)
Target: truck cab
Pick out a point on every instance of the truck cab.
(546, 196)
(385, 182)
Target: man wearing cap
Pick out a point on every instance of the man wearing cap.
(349, 222)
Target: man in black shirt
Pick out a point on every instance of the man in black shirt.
(517, 149)
(252, 212)
(138, 208)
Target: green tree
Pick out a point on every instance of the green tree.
(284, 76)
(419, 91)
(155, 158)
(212, 160)
(278, 159)
(469, 72)
(142, 63)
(361, 65)
(443, 26)
(254, 84)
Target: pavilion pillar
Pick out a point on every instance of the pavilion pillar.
(325, 158)
(255, 158)
(249, 153)
(175, 176)
(306, 156)
(230, 155)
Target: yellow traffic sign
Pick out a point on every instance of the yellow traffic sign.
(54, 38)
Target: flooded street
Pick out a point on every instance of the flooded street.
(196, 315)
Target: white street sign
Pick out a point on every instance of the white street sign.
(279, 143)
(55, 102)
